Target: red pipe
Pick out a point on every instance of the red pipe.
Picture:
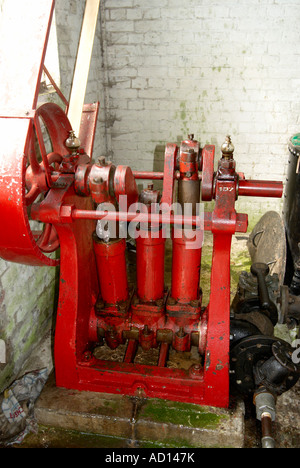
(111, 267)
(260, 188)
(148, 175)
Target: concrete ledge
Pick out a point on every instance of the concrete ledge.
(161, 422)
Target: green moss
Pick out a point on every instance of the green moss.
(6, 375)
(185, 414)
(109, 407)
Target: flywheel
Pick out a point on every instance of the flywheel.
(26, 175)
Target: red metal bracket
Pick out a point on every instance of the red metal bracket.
(208, 157)
(169, 174)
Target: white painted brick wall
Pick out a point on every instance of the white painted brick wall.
(209, 67)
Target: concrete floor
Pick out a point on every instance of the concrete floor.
(82, 419)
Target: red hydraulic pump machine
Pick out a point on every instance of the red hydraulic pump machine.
(85, 208)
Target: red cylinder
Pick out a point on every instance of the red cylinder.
(111, 267)
(186, 264)
(150, 266)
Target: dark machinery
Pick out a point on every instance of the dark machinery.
(262, 366)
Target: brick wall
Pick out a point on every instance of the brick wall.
(208, 67)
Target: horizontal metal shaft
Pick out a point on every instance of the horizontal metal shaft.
(138, 217)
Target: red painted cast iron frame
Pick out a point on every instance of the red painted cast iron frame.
(77, 324)
(70, 221)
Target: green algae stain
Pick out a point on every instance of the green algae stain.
(185, 414)
(182, 116)
(240, 262)
(108, 408)
(50, 437)
(183, 111)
